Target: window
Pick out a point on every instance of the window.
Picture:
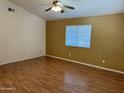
(78, 35)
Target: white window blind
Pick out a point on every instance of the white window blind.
(78, 35)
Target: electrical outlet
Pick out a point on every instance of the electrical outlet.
(103, 61)
(69, 54)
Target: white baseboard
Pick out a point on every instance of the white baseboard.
(82, 63)
(14, 61)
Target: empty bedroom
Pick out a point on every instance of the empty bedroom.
(61, 46)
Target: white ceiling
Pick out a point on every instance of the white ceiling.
(83, 8)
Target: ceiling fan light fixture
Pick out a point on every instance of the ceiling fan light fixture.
(56, 8)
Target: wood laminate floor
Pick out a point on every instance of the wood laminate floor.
(48, 75)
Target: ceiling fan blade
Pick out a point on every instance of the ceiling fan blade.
(62, 11)
(70, 7)
(48, 9)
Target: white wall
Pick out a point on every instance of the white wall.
(22, 34)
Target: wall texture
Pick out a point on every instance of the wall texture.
(107, 41)
(22, 34)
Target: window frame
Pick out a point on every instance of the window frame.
(77, 45)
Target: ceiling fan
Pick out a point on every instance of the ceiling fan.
(58, 7)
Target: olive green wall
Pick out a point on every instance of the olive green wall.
(107, 41)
